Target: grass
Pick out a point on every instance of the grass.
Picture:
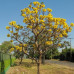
(27, 67)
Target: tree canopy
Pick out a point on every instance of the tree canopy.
(46, 30)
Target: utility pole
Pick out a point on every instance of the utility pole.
(70, 48)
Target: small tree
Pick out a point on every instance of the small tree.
(5, 46)
(46, 30)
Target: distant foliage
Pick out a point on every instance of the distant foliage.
(67, 54)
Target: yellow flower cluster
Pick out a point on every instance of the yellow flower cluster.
(31, 14)
(25, 45)
(36, 3)
(59, 44)
(64, 32)
(60, 35)
(44, 10)
(12, 49)
(55, 26)
(49, 43)
(28, 26)
(18, 48)
(8, 35)
(24, 15)
(50, 30)
(11, 31)
(12, 27)
(12, 23)
(72, 24)
(49, 10)
(11, 40)
(7, 27)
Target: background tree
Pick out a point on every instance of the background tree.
(54, 54)
(65, 55)
(5, 46)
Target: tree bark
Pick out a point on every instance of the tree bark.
(38, 64)
(43, 58)
(21, 60)
(38, 68)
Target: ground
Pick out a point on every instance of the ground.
(64, 63)
(27, 67)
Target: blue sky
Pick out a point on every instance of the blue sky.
(10, 10)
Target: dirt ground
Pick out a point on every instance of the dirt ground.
(16, 70)
(64, 63)
(27, 68)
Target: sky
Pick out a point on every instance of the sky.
(10, 10)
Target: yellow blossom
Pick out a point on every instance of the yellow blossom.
(49, 10)
(7, 27)
(12, 23)
(11, 31)
(42, 27)
(11, 49)
(50, 30)
(8, 35)
(55, 26)
(11, 40)
(32, 21)
(72, 24)
(42, 5)
(41, 21)
(17, 27)
(20, 44)
(23, 10)
(21, 27)
(37, 19)
(24, 15)
(49, 43)
(44, 10)
(34, 3)
(25, 45)
(17, 47)
(37, 32)
(25, 19)
(43, 24)
(60, 35)
(20, 49)
(59, 44)
(38, 27)
(30, 6)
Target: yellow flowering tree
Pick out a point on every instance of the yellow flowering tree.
(47, 31)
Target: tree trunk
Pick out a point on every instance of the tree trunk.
(21, 55)
(38, 64)
(38, 68)
(43, 58)
(21, 60)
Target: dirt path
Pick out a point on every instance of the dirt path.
(65, 63)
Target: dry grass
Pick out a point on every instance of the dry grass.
(27, 67)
